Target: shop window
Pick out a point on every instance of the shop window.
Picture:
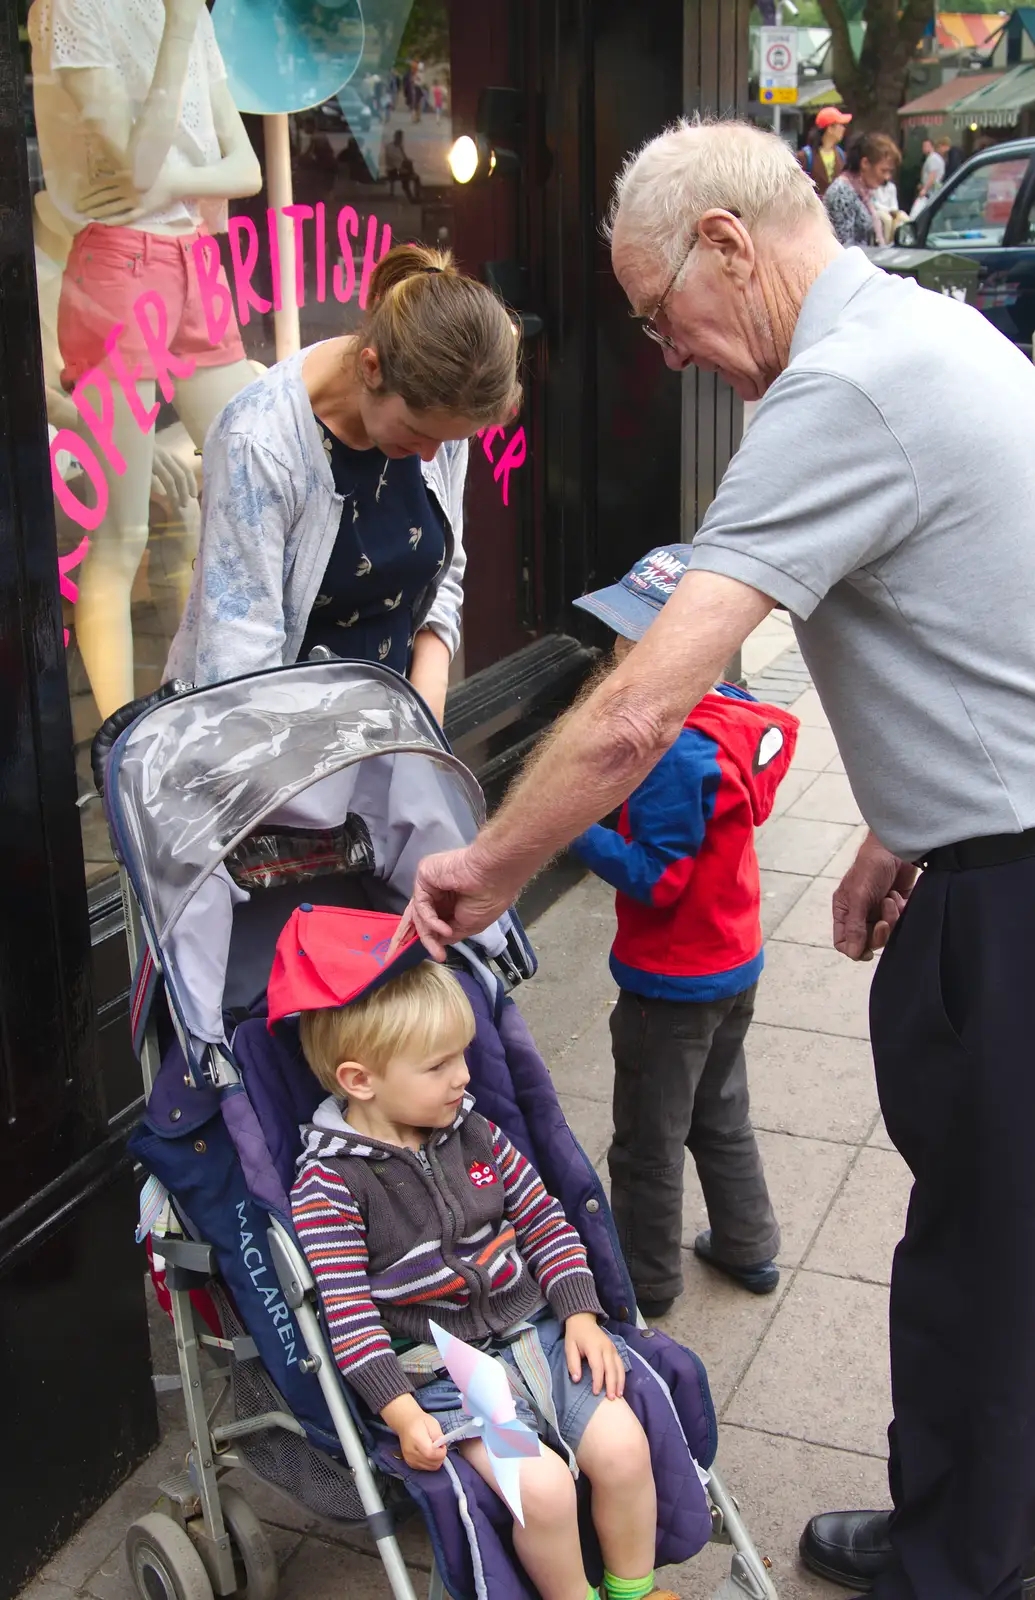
(270, 155)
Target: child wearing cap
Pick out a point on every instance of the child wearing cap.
(687, 957)
(409, 1205)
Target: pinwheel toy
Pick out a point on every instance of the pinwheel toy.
(488, 1400)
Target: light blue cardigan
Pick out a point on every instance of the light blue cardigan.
(270, 516)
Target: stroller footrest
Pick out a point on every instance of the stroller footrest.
(180, 1491)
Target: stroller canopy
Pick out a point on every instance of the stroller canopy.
(308, 747)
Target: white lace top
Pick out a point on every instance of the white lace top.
(122, 36)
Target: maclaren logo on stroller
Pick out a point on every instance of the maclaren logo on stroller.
(275, 1306)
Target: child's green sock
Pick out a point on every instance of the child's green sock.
(628, 1588)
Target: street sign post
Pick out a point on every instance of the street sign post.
(778, 73)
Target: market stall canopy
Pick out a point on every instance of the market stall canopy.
(1000, 103)
(935, 105)
(967, 30)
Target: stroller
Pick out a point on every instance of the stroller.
(228, 807)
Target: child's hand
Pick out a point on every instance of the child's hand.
(420, 1435)
(583, 1336)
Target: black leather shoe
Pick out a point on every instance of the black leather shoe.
(849, 1547)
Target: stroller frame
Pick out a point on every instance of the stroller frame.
(203, 1539)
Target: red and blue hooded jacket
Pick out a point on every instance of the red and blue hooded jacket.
(683, 859)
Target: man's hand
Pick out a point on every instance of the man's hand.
(453, 897)
(869, 900)
(584, 1337)
(420, 1436)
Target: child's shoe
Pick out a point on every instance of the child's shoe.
(759, 1279)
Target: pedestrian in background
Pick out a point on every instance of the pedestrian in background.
(932, 176)
(687, 958)
(822, 157)
(872, 161)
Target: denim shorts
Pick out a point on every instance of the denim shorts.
(574, 1402)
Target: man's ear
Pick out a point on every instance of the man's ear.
(370, 367)
(718, 230)
(355, 1081)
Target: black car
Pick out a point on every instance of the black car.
(985, 212)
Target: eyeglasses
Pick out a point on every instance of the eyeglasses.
(650, 324)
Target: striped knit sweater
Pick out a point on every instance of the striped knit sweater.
(462, 1231)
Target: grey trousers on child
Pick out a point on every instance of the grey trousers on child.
(681, 1084)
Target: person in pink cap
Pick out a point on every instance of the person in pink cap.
(410, 1205)
(822, 157)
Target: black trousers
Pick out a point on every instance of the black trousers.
(681, 1084)
(952, 1020)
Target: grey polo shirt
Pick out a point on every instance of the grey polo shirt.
(885, 494)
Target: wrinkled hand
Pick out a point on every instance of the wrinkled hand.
(453, 897)
(869, 900)
(585, 1338)
(171, 481)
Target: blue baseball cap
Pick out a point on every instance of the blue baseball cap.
(630, 606)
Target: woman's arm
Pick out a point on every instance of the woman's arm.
(236, 608)
(443, 617)
(429, 671)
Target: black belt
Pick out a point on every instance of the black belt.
(997, 850)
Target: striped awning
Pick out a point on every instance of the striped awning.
(967, 30)
(935, 105)
(998, 104)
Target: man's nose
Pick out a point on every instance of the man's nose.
(674, 361)
(428, 452)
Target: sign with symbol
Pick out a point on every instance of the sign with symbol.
(778, 76)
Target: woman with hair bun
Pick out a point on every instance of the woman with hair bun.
(334, 485)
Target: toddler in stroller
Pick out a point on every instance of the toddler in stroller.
(417, 1207)
(225, 804)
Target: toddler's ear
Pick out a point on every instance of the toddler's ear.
(355, 1081)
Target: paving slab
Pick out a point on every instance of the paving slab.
(836, 765)
(818, 990)
(797, 844)
(572, 941)
(845, 854)
(780, 891)
(880, 1137)
(796, 784)
(810, 919)
(803, 1177)
(859, 1236)
(586, 1067)
(591, 1123)
(819, 1085)
(809, 710)
(828, 798)
(780, 1483)
(815, 750)
(723, 1323)
(821, 1372)
(318, 1569)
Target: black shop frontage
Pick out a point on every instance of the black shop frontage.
(352, 113)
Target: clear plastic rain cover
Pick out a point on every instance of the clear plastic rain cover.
(302, 747)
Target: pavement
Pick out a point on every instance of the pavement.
(800, 1377)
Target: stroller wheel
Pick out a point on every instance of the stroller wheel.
(163, 1563)
(253, 1555)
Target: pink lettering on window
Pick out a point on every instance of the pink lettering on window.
(513, 456)
(70, 590)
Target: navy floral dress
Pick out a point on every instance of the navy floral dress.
(390, 546)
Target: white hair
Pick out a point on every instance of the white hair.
(702, 165)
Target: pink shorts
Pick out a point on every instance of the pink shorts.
(108, 269)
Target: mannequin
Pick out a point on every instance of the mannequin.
(141, 147)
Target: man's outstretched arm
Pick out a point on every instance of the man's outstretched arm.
(593, 758)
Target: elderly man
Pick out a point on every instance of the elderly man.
(908, 566)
